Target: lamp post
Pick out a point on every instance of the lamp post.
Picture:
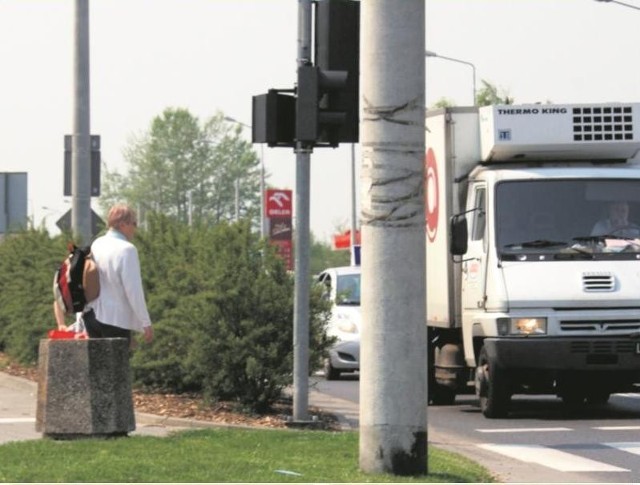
(473, 68)
(620, 3)
(262, 225)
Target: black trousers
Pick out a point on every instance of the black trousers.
(97, 329)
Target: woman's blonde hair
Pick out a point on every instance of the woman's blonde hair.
(120, 214)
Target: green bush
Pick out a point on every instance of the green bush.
(28, 261)
(222, 306)
(220, 300)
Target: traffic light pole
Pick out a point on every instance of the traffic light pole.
(301, 243)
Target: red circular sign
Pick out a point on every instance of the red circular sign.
(431, 195)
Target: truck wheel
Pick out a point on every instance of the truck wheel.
(330, 372)
(492, 388)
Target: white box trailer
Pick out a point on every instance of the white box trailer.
(522, 295)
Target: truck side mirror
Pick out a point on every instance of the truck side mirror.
(459, 235)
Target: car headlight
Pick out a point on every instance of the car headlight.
(522, 326)
(346, 325)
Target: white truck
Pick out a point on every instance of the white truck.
(530, 287)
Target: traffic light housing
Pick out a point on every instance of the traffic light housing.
(273, 119)
(327, 110)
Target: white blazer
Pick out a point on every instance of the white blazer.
(121, 301)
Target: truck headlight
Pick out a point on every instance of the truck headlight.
(522, 326)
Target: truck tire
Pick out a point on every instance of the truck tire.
(492, 388)
(330, 372)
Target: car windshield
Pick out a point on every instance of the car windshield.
(348, 289)
(568, 219)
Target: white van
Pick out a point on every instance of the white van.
(342, 288)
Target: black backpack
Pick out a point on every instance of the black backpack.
(76, 281)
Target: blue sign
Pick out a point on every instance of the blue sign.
(355, 255)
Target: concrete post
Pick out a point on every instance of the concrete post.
(81, 139)
(84, 388)
(393, 378)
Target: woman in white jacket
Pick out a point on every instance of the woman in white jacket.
(120, 308)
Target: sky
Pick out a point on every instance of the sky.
(214, 55)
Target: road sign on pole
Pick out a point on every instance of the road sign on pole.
(64, 223)
(95, 165)
(13, 201)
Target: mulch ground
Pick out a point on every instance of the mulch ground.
(192, 406)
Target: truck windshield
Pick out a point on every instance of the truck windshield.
(569, 219)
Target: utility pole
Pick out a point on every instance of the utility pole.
(393, 369)
(81, 139)
(301, 242)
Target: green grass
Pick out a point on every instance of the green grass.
(214, 455)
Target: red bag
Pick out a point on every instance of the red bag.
(61, 334)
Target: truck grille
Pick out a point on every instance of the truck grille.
(602, 123)
(603, 347)
(631, 324)
(596, 282)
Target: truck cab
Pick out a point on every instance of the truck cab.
(539, 254)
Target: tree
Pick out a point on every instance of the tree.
(323, 256)
(489, 95)
(181, 164)
(443, 103)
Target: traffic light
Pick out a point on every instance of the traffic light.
(273, 119)
(327, 110)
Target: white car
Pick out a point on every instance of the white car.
(342, 288)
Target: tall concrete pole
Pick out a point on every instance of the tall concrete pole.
(301, 244)
(81, 139)
(393, 378)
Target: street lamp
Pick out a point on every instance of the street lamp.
(473, 68)
(263, 231)
(620, 3)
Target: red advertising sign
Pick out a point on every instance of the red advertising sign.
(280, 228)
(285, 252)
(278, 210)
(279, 203)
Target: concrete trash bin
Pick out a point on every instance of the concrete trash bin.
(84, 388)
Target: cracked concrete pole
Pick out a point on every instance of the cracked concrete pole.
(393, 378)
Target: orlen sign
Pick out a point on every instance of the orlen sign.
(278, 211)
(279, 203)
